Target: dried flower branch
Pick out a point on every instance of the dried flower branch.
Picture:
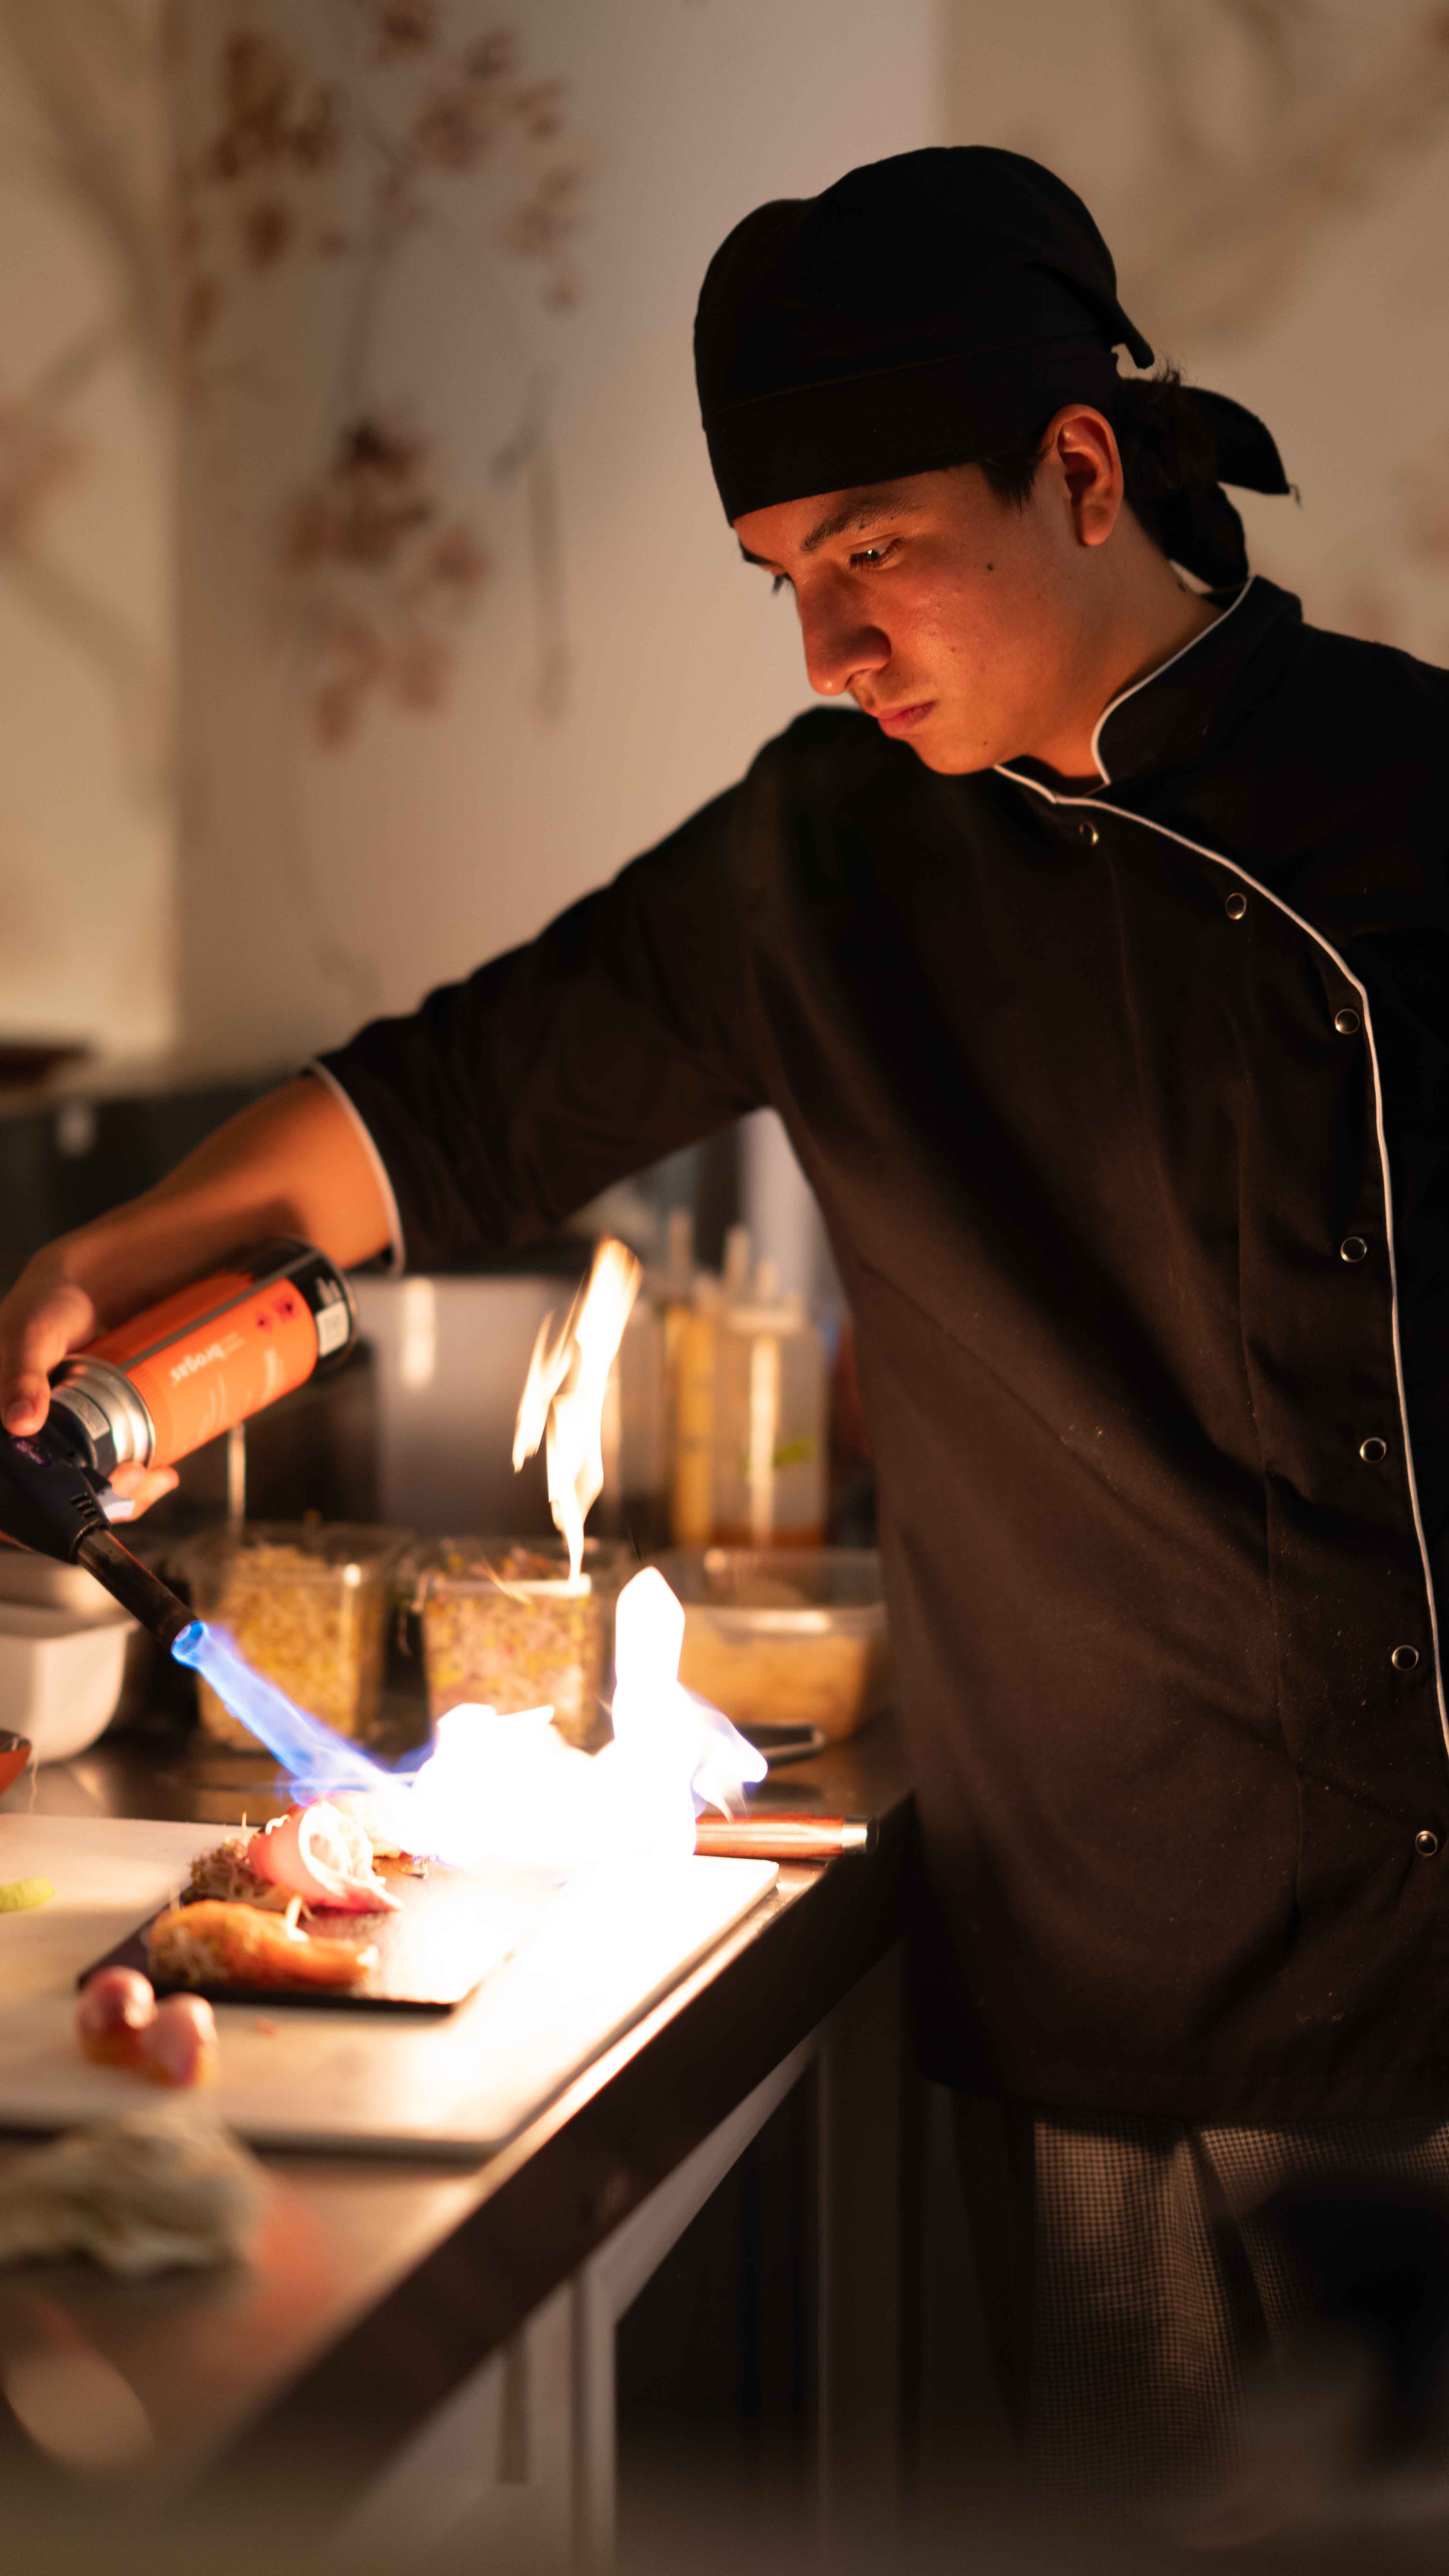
(382, 577)
(405, 27)
(37, 457)
(376, 569)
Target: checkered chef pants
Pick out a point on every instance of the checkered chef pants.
(1130, 2279)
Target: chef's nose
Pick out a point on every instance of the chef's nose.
(840, 645)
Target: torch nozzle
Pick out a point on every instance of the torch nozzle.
(160, 1610)
(51, 1503)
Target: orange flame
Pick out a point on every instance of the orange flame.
(563, 1394)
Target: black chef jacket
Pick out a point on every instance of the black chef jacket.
(1128, 1112)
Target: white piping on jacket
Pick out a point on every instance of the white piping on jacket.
(1095, 805)
(396, 1257)
(1156, 672)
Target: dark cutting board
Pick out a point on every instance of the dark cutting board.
(446, 1939)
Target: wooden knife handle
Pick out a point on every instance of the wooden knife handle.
(775, 1837)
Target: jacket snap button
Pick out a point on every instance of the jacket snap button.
(1352, 1248)
(1235, 905)
(1404, 1658)
(1090, 834)
(1372, 1451)
(1347, 1023)
(1426, 1844)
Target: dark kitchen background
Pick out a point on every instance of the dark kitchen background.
(364, 598)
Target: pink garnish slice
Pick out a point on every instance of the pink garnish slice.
(115, 2005)
(322, 1856)
(180, 2046)
(115, 1998)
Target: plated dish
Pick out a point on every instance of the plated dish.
(314, 1909)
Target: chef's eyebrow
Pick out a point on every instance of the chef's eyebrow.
(861, 511)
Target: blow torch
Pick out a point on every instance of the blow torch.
(156, 1388)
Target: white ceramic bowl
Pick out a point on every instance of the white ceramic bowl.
(43, 1583)
(60, 1675)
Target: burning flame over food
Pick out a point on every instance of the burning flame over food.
(500, 1793)
(563, 1394)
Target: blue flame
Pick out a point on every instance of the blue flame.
(320, 1763)
(314, 1756)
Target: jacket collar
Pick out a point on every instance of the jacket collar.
(1179, 713)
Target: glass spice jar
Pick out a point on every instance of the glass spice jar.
(504, 1627)
(306, 1604)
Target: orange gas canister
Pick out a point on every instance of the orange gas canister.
(204, 1359)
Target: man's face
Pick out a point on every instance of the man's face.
(961, 622)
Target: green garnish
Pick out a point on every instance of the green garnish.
(18, 1895)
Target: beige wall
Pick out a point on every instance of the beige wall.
(319, 883)
(1274, 183)
(86, 823)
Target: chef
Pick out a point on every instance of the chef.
(1091, 941)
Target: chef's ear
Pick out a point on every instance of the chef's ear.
(1080, 446)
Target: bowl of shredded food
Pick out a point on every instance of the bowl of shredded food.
(784, 1636)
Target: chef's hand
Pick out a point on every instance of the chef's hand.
(46, 1316)
(295, 1163)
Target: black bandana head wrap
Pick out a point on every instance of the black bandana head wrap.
(929, 311)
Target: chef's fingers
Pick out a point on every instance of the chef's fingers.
(41, 1319)
(142, 1486)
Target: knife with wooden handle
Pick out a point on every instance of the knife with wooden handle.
(778, 1837)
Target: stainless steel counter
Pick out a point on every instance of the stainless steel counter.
(379, 2292)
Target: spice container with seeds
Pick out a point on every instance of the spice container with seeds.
(306, 1604)
(505, 1627)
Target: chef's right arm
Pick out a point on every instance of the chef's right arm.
(472, 1125)
(294, 1162)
